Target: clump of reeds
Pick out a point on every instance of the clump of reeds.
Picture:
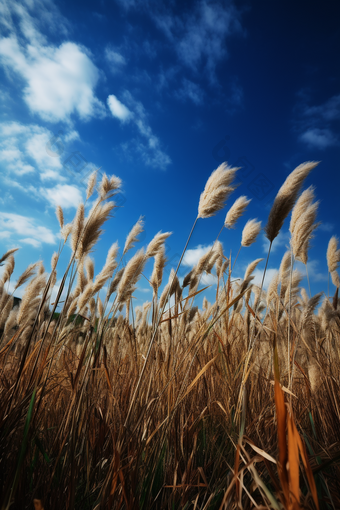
(105, 405)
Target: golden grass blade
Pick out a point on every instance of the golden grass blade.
(261, 452)
(293, 459)
(281, 416)
(199, 375)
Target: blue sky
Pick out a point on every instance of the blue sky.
(160, 93)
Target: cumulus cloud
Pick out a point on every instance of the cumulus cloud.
(65, 195)
(26, 229)
(258, 275)
(118, 109)
(27, 149)
(192, 256)
(59, 81)
(32, 157)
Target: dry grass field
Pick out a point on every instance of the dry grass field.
(232, 406)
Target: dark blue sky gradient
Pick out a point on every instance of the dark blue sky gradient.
(267, 98)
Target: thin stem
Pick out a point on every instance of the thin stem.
(236, 258)
(289, 308)
(310, 294)
(328, 283)
(251, 342)
(155, 330)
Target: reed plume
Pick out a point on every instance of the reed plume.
(250, 232)
(333, 254)
(91, 184)
(157, 242)
(115, 282)
(30, 297)
(77, 229)
(7, 254)
(131, 275)
(236, 211)
(306, 198)
(109, 186)
(286, 198)
(132, 237)
(92, 231)
(8, 269)
(11, 321)
(108, 269)
(251, 267)
(217, 190)
(157, 273)
(29, 271)
(66, 231)
(89, 266)
(60, 216)
(303, 230)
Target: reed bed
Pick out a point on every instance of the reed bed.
(234, 405)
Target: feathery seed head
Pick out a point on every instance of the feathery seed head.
(303, 230)
(306, 198)
(60, 216)
(251, 267)
(159, 264)
(7, 254)
(236, 211)
(335, 278)
(286, 198)
(91, 184)
(156, 243)
(250, 232)
(89, 266)
(132, 273)
(216, 191)
(77, 229)
(132, 237)
(333, 254)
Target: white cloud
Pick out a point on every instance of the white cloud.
(314, 273)
(192, 256)
(150, 150)
(33, 242)
(208, 279)
(200, 36)
(26, 149)
(58, 81)
(258, 275)
(281, 241)
(115, 59)
(62, 194)
(5, 234)
(330, 110)
(118, 109)
(317, 124)
(326, 227)
(190, 90)
(319, 138)
(27, 227)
